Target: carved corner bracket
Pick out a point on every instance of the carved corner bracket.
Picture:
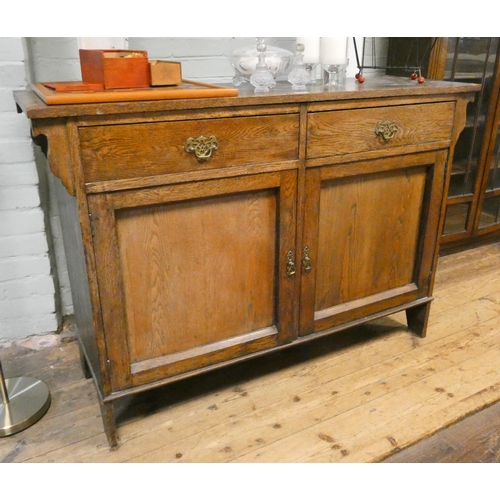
(52, 137)
(461, 114)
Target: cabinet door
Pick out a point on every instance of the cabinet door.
(369, 235)
(194, 274)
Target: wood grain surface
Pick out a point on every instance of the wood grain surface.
(147, 149)
(186, 90)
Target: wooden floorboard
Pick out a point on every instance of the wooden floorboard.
(474, 439)
(375, 393)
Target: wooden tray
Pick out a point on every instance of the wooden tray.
(186, 90)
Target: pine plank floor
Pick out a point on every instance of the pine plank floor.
(375, 393)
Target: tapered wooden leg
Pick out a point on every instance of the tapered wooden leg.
(109, 422)
(417, 318)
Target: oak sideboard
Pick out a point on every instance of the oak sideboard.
(200, 232)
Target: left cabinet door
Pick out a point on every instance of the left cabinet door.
(194, 274)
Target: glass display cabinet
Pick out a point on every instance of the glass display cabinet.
(473, 203)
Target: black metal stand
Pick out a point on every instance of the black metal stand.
(415, 71)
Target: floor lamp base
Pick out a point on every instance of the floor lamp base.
(28, 401)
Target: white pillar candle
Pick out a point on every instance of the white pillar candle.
(311, 49)
(333, 50)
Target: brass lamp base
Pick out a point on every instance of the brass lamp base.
(27, 402)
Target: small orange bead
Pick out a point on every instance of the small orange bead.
(361, 79)
(421, 79)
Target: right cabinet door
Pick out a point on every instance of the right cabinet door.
(370, 229)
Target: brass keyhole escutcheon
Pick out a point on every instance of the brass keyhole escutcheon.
(290, 264)
(202, 147)
(386, 130)
(306, 259)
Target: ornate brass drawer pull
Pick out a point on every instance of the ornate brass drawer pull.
(290, 264)
(306, 259)
(202, 147)
(386, 130)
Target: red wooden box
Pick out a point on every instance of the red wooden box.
(115, 69)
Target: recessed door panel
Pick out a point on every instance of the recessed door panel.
(370, 244)
(197, 272)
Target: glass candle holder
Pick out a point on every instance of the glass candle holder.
(311, 69)
(334, 74)
(333, 59)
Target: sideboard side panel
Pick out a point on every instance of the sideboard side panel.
(77, 270)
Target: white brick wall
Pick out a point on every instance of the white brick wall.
(54, 59)
(27, 292)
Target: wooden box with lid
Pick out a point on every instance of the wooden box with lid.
(115, 69)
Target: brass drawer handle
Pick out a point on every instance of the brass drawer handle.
(306, 259)
(386, 130)
(202, 147)
(290, 264)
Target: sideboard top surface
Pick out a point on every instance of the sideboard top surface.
(374, 87)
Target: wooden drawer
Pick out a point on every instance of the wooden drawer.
(146, 149)
(353, 131)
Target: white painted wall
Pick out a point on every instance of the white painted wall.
(34, 287)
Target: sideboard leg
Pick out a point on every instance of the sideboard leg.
(417, 318)
(109, 422)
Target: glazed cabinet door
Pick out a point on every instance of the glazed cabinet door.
(369, 234)
(194, 274)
